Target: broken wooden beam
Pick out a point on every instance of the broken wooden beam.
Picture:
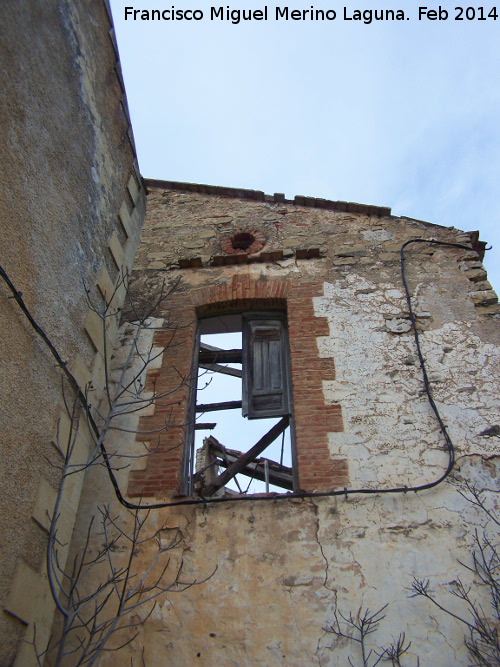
(255, 469)
(279, 475)
(212, 407)
(241, 463)
(226, 370)
(220, 456)
(220, 356)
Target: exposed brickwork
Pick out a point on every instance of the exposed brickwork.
(161, 476)
(230, 244)
(241, 293)
(313, 418)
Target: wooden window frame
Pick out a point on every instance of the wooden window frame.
(266, 369)
(253, 333)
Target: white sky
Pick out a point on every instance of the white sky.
(233, 430)
(402, 114)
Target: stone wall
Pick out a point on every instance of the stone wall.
(71, 212)
(279, 569)
(338, 275)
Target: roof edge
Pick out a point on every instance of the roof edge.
(277, 198)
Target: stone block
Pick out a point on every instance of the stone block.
(64, 527)
(484, 298)
(44, 504)
(293, 242)
(73, 483)
(493, 309)
(66, 517)
(105, 284)
(392, 247)
(481, 286)
(135, 223)
(349, 249)
(120, 294)
(81, 442)
(94, 326)
(223, 220)
(315, 241)
(115, 247)
(30, 600)
(123, 230)
(133, 188)
(476, 275)
(29, 595)
(397, 325)
(25, 656)
(61, 435)
(80, 372)
(377, 235)
(112, 323)
(99, 374)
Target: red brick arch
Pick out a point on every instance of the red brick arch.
(238, 292)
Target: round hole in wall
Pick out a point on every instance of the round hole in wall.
(242, 240)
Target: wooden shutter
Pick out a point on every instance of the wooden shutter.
(265, 366)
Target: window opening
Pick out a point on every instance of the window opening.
(242, 435)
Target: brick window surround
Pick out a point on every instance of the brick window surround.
(314, 419)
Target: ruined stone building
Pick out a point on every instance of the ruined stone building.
(302, 451)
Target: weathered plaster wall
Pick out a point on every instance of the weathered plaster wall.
(280, 570)
(388, 423)
(347, 264)
(284, 566)
(71, 210)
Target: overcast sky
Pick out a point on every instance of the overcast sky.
(393, 113)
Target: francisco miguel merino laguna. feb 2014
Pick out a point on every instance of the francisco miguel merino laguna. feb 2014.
(235, 16)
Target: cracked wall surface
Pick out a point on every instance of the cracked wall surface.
(279, 570)
(390, 432)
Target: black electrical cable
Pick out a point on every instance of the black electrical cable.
(278, 496)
